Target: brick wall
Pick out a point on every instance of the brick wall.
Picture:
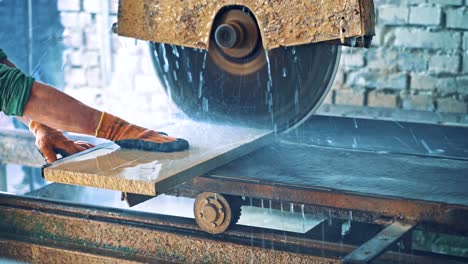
(128, 87)
(417, 66)
(418, 60)
(84, 36)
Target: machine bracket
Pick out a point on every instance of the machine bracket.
(379, 243)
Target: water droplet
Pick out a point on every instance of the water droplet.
(200, 86)
(204, 60)
(353, 41)
(296, 101)
(205, 105)
(175, 51)
(166, 62)
(285, 72)
(189, 75)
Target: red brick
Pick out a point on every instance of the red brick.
(451, 105)
(349, 97)
(376, 99)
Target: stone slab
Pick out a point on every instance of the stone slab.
(108, 166)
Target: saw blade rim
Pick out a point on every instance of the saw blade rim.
(322, 98)
(298, 119)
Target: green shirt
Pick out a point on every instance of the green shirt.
(2, 54)
(15, 89)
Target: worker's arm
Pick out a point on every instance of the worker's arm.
(71, 115)
(56, 109)
(49, 141)
(46, 105)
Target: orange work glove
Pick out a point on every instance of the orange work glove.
(127, 135)
(51, 142)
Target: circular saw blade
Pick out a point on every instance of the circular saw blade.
(284, 91)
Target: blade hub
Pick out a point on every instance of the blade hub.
(236, 45)
(227, 36)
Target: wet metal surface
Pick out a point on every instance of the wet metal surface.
(383, 136)
(383, 174)
(364, 156)
(286, 220)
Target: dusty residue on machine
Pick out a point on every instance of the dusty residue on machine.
(281, 23)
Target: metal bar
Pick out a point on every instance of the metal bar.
(378, 244)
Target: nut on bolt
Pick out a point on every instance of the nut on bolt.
(115, 28)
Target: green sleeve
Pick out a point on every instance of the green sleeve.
(2, 54)
(15, 89)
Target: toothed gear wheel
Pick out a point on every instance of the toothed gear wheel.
(215, 213)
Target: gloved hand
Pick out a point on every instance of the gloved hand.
(127, 135)
(51, 142)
